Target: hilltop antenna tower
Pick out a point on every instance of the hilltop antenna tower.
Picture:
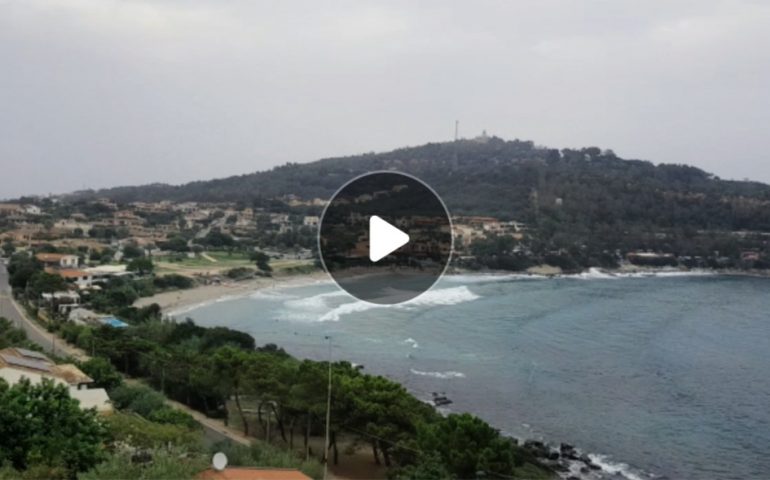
(457, 137)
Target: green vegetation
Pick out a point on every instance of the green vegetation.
(581, 206)
(220, 372)
(11, 336)
(150, 404)
(162, 464)
(116, 295)
(104, 374)
(262, 261)
(172, 281)
(41, 426)
(141, 265)
(8, 248)
(240, 273)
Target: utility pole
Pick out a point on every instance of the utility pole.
(267, 429)
(328, 411)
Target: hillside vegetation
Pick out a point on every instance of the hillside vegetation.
(581, 208)
(511, 180)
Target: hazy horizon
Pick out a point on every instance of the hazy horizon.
(103, 93)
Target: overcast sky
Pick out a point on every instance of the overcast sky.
(97, 93)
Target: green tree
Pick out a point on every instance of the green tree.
(11, 336)
(105, 374)
(21, 268)
(141, 265)
(41, 424)
(132, 251)
(232, 363)
(8, 248)
(262, 261)
(467, 445)
(42, 282)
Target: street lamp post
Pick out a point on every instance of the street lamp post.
(328, 410)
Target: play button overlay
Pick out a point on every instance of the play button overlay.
(385, 237)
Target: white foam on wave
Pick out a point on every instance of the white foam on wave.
(175, 312)
(668, 273)
(273, 294)
(617, 468)
(490, 277)
(593, 273)
(444, 375)
(411, 341)
(335, 314)
(436, 297)
(189, 308)
(441, 296)
(316, 302)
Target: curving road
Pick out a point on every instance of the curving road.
(11, 310)
(215, 429)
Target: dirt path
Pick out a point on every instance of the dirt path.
(209, 257)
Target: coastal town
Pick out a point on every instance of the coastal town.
(82, 284)
(87, 243)
(89, 285)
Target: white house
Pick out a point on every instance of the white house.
(58, 260)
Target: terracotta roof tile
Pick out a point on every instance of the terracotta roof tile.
(252, 473)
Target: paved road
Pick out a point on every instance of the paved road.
(215, 429)
(13, 312)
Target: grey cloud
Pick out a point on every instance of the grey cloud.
(104, 92)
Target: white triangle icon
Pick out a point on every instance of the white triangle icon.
(384, 238)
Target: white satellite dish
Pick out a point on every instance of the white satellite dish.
(219, 461)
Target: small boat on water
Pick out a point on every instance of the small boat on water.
(440, 399)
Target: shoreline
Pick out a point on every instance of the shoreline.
(568, 461)
(175, 300)
(180, 301)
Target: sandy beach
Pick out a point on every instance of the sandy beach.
(176, 300)
(180, 299)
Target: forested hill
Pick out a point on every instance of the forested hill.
(510, 180)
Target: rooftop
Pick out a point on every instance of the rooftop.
(72, 273)
(52, 257)
(106, 269)
(23, 352)
(72, 374)
(253, 473)
(35, 362)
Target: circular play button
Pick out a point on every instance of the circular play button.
(385, 237)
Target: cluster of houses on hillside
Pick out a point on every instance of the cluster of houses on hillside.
(151, 223)
(145, 224)
(67, 267)
(467, 229)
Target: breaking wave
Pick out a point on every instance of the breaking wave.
(617, 468)
(444, 375)
(316, 302)
(432, 298)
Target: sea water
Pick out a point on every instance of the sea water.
(663, 376)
